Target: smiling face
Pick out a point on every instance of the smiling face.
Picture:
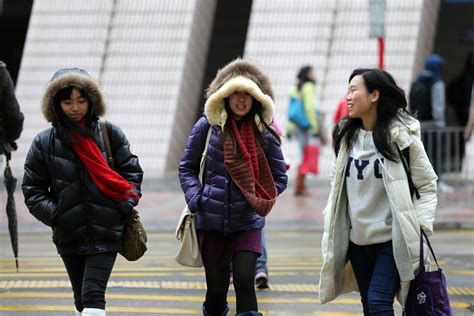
(240, 103)
(361, 103)
(76, 107)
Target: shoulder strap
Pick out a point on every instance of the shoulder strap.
(105, 137)
(204, 155)
(405, 158)
(423, 234)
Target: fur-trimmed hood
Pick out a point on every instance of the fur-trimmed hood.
(74, 77)
(242, 75)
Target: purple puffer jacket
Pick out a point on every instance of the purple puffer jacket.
(218, 204)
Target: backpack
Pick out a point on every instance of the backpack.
(420, 100)
(297, 115)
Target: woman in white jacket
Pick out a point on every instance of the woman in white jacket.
(371, 224)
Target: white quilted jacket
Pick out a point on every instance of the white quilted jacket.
(337, 276)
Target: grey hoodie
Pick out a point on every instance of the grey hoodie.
(368, 205)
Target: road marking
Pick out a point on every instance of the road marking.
(141, 297)
(113, 309)
(461, 272)
(177, 285)
(460, 291)
(461, 305)
(231, 299)
(145, 274)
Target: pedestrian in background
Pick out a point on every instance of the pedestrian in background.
(304, 91)
(459, 92)
(11, 118)
(342, 110)
(428, 104)
(69, 186)
(460, 98)
(371, 225)
(244, 172)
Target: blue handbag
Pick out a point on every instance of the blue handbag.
(297, 115)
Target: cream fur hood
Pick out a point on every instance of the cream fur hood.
(242, 75)
(75, 77)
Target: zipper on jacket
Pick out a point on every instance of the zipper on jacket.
(226, 223)
(82, 181)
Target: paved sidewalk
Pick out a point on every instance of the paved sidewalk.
(163, 201)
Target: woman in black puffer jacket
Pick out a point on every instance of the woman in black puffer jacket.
(69, 186)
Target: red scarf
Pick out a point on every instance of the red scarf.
(106, 179)
(249, 169)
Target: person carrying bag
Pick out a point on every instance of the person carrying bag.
(69, 186)
(370, 221)
(189, 253)
(305, 125)
(243, 175)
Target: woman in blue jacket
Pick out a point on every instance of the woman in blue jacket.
(244, 173)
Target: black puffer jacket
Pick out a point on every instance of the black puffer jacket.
(58, 189)
(59, 192)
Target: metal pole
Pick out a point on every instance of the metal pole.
(381, 42)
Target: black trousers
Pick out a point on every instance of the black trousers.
(89, 275)
(217, 280)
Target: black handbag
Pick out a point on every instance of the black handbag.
(134, 234)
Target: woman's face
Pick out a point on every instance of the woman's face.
(361, 103)
(240, 103)
(76, 106)
(311, 74)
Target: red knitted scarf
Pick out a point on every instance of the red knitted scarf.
(106, 179)
(249, 168)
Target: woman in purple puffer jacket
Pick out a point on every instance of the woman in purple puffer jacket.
(244, 173)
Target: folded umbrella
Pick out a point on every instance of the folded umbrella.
(10, 185)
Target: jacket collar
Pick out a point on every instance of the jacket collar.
(401, 132)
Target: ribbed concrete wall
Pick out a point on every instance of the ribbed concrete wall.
(149, 57)
(333, 36)
(62, 33)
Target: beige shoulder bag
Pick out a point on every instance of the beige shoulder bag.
(189, 254)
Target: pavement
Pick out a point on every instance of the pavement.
(163, 201)
(156, 285)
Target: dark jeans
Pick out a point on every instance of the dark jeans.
(89, 275)
(377, 276)
(217, 279)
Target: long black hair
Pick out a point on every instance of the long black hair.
(303, 76)
(391, 106)
(65, 122)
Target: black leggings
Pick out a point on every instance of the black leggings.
(89, 275)
(217, 279)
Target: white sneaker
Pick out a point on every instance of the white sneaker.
(93, 312)
(261, 279)
(445, 188)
